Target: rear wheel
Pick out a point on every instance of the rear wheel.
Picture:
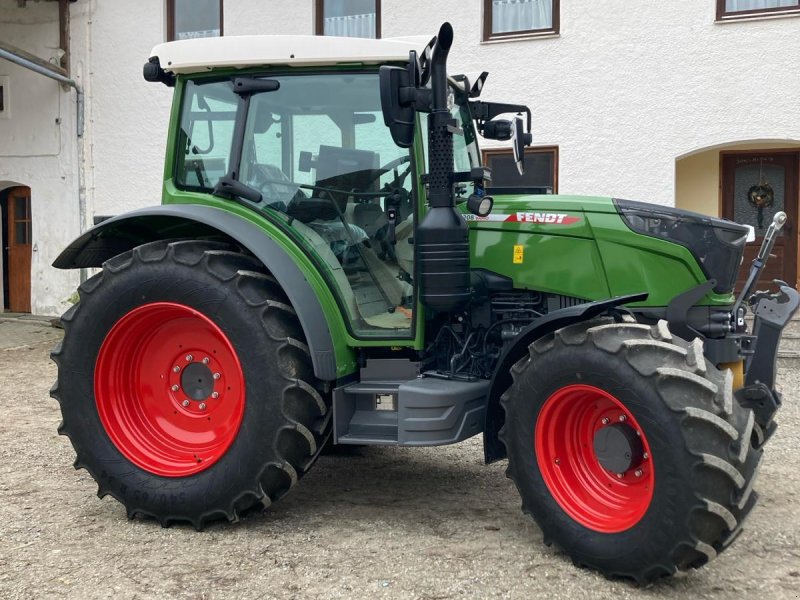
(185, 385)
(628, 448)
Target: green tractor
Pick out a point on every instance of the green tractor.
(328, 266)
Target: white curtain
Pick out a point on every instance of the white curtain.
(521, 15)
(736, 5)
(362, 26)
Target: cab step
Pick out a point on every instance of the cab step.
(394, 404)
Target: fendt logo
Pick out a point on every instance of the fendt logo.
(544, 218)
(539, 218)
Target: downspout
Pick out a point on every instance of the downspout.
(64, 80)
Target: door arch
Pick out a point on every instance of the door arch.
(17, 246)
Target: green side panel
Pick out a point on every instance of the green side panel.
(636, 262)
(551, 263)
(543, 243)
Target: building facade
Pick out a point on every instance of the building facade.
(691, 103)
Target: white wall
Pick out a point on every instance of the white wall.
(39, 149)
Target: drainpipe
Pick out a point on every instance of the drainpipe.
(64, 80)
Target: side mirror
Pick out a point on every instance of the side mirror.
(398, 108)
(519, 139)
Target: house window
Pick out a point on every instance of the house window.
(188, 19)
(541, 171)
(744, 9)
(512, 18)
(349, 18)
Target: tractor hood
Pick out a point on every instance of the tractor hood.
(615, 247)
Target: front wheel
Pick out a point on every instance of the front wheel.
(628, 448)
(185, 385)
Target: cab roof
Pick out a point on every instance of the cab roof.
(203, 54)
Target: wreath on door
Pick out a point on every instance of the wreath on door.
(761, 196)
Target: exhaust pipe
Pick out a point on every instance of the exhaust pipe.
(442, 239)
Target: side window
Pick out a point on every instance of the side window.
(348, 18)
(207, 117)
(518, 18)
(188, 19)
(747, 9)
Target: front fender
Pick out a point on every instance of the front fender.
(124, 232)
(493, 448)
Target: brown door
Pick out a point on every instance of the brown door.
(19, 249)
(755, 185)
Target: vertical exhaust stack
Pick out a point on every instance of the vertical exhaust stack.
(442, 239)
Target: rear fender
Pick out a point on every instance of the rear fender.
(124, 232)
(493, 448)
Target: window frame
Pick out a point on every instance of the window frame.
(487, 153)
(488, 36)
(724, 15)
(171, 37)
(319, 18)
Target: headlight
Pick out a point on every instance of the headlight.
(717, 244)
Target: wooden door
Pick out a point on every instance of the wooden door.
(755, 185)
(19, 249)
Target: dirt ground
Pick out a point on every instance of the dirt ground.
(378, 523)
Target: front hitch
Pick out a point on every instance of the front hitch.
(772, 312)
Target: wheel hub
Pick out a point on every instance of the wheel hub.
(197, 381)
(618, 448)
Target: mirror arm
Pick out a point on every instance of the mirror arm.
(486, 111)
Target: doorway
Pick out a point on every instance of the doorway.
(756, 185)
(17, 247)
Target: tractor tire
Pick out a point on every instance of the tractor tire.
(679, 482)
(185, 385)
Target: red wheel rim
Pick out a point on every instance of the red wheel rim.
(596, 498)
(169, 389)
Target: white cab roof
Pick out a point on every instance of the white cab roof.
(202, 54)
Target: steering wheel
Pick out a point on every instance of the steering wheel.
(391, 165)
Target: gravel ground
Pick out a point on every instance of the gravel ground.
(378, 523)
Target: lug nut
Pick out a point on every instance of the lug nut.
(176, 369)
(605, 421)
(185, 403)
(558, 461)
(215, 395)
(620, 475)
(645, 456)
(206, 360)
(174, 388)
(202, 406)
(638, 472)
(622, 418)
(216, 375)
(189, 358)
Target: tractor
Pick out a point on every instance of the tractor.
(330, 265)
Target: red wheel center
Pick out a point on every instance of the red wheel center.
(169, 389)
(582, 434)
